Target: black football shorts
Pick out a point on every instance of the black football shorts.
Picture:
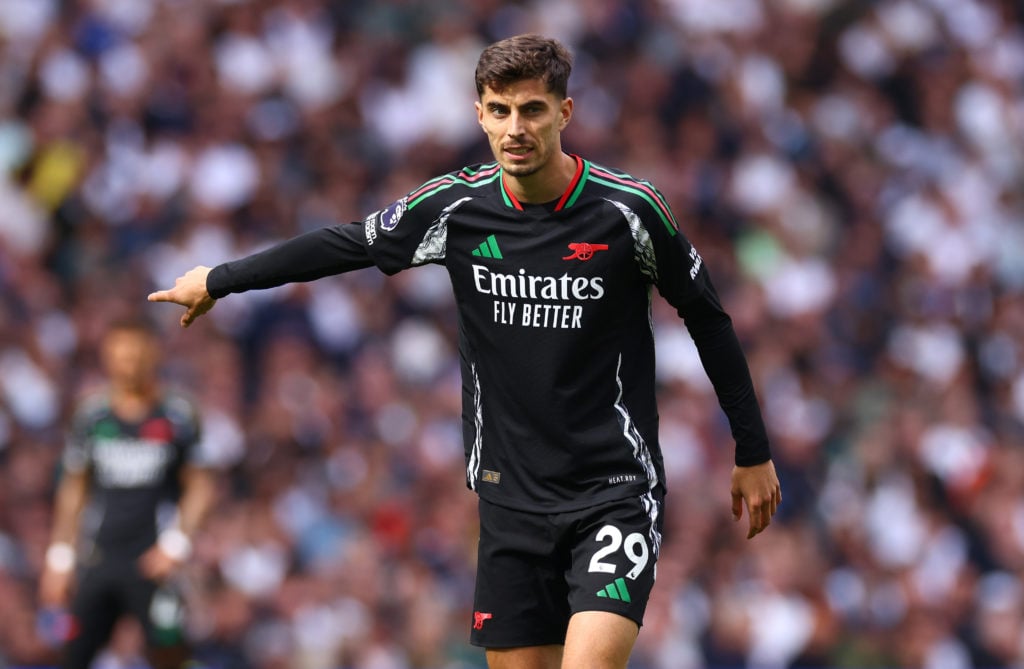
(535, 570)
(106, 592)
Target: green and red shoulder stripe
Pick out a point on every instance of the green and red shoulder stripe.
(467, 176)
(623, 182)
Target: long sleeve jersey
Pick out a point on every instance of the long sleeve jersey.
(556, 342)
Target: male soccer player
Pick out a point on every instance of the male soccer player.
(552, 259)
(133, 458)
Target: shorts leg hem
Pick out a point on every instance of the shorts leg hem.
(597, 607)
(503, 645)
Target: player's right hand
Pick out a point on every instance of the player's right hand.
(758, 487)
(54, 587)
(190, 292)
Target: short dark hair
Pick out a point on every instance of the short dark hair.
(134, 324)
(521, 57)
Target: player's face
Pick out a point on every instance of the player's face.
(130, 358)
(523, 123)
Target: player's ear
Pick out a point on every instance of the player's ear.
(479, 113)
(566, 113)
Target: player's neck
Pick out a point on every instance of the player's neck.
(546, 184)
(132, 403)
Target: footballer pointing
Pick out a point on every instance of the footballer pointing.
(561, 436)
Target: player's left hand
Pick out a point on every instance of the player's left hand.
(156, 564)
(758, 488)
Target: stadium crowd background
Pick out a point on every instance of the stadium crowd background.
(851, 171)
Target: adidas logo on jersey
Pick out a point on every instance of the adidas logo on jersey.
(615, 590)
(488, 249)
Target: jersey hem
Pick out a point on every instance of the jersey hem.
(568, 506)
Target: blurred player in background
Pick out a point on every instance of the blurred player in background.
(552, 259)
(132, 494)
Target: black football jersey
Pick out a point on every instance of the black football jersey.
(556, 341)
(555, 334)
(134, 469)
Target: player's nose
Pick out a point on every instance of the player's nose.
(515, 125)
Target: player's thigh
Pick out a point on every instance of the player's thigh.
(521, 599)
(614, 556)
(599, 640)
(94, 611)
(159, 608)
(161, 611)
(529, 657)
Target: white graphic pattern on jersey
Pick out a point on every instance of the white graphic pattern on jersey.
(651, 507)
(632, 434)
(643, 248)
(478, 422)
(434, 245)
(643, 252)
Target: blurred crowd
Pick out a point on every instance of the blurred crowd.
(852, 172)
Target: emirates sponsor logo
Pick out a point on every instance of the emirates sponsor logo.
(528, 286)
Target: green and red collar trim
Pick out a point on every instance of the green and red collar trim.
(569, 197)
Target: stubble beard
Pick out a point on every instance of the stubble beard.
(525, 170)
(520, 171)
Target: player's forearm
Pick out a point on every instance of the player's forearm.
(197, 499)
(68, 504)
(307, 257)
(198, 492)
(726, 366)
